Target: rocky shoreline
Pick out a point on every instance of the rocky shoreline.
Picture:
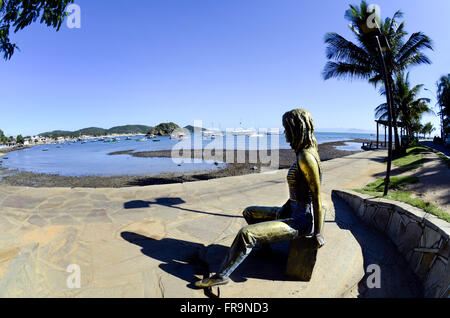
(327, 151)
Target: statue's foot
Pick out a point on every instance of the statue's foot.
(212, 281)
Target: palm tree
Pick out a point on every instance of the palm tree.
(360, 60)
(443, 94)
(407, 104)
(428, 129)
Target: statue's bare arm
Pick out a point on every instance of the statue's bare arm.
(310, 168)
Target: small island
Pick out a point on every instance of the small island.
(163, 129)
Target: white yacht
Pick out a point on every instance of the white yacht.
(207, 134)
(216, 134)
(178, 136)
(275, 132)
(243, 132)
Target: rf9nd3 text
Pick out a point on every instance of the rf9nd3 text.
(246, 307)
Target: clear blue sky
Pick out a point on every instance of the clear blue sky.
(220, 61)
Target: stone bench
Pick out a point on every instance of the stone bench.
(302, 258)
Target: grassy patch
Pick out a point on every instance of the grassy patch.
(416, 149)
(396, 185)
(413, 159)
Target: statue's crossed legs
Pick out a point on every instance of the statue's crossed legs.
(266, 226)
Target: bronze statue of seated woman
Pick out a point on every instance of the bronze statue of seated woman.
(301, 216)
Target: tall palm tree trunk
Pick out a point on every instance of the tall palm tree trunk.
(395, 127)
(393, 113)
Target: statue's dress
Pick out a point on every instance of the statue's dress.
(273, 224)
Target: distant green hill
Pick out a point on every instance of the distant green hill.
(96, 131)
(91, 131)
(191, 128)
(56, 133)
(130, 129)
(163, 129)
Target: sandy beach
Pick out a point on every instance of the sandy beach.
(327, 151)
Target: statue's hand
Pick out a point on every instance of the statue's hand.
(320, 240)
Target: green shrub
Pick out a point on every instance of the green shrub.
(395, 183)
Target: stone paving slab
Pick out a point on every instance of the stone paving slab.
(155, 241)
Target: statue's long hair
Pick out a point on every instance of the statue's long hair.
(299, 128)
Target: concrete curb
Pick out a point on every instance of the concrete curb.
(422, 238)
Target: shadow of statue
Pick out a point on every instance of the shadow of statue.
(172, 203)
(179, 258)
(186, 260)
(396, 280)
(140, 204)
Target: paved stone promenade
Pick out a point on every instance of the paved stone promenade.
(155, 241)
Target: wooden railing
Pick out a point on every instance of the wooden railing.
(373, 145)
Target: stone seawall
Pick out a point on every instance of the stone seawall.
(422, 238)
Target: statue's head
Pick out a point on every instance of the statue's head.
(299, 129)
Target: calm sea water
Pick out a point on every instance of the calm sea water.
(91, 158)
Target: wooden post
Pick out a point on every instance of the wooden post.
(401, 136)
(377, 134)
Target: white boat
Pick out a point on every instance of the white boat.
(256, 135)
(217, 134)
(207, 134)
(142, 139)
(243, 132)
(178, 136)
(275, 132)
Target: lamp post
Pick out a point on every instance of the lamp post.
(378, 41)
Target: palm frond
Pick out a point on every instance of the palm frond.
(341, 49)
(410, 52)
(342, 70)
